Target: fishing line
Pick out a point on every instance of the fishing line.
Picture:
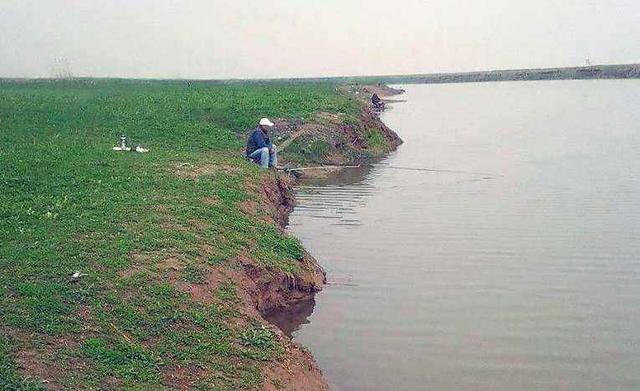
(447, 171)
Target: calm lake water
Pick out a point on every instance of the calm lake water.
(497, 249)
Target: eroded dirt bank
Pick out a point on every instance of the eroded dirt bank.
(268, 289)
(276, 291)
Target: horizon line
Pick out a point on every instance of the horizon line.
(318, 78)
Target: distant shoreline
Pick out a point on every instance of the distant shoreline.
(621, 71)
(631, 71)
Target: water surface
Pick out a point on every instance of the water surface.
(497, 249)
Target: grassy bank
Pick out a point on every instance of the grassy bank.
(165, 238)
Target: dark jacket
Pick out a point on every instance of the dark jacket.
(258, 140)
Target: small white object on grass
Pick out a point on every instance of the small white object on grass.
(138, 149)
(76, 276)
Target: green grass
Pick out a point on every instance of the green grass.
(194, 274)
(308, 150)
(260, 342)
(375, 140)
(69, 203)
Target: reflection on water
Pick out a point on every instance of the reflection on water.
(497, 249)
(293, 318)
(351, 176)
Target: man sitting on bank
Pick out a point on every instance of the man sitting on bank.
(259, 148)
(376, 101)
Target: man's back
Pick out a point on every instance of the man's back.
(257, 140)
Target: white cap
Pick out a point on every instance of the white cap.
(266, 122)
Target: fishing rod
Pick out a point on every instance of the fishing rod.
(333, 167)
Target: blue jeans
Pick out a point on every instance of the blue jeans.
(265, 157)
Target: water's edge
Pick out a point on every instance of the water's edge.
(289, 314)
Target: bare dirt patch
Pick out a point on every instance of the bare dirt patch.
(172, 264)
(38, 359)
(184, 377)
(132, 271)
(324, 116)
(296, 367)
(249, 207)
(203, 292)
(84, 312)
(152, 262)
(198, 224)
(211, 200)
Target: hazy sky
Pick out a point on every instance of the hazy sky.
(282, 38)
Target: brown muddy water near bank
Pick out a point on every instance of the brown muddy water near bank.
(497, 249)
